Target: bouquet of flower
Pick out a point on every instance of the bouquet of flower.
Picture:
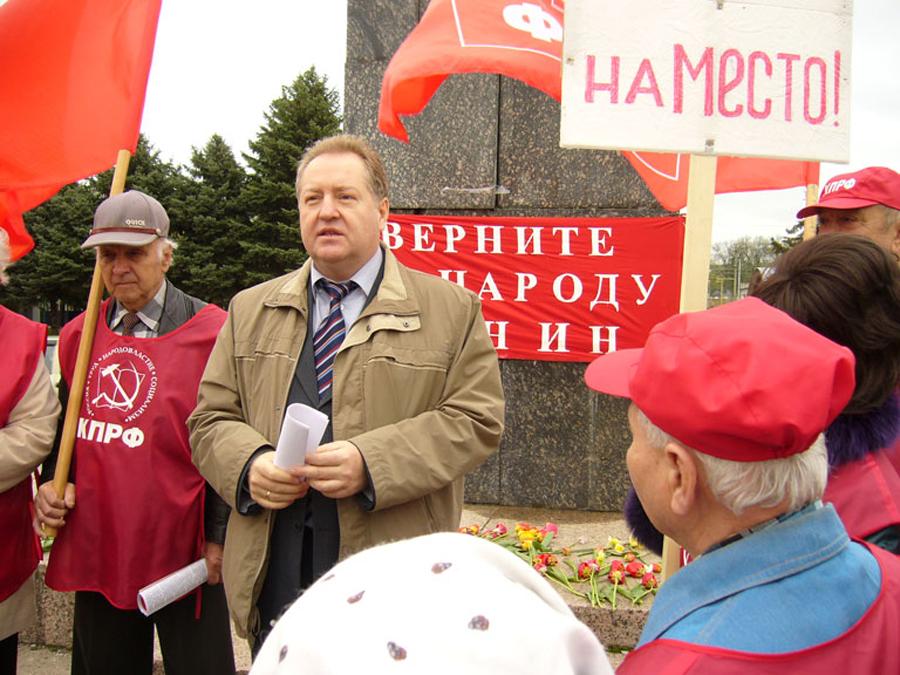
(597, 574)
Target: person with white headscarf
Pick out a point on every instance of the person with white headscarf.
(440, 603)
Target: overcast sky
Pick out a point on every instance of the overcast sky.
(217, 66)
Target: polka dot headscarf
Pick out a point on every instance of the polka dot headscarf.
(443, 603)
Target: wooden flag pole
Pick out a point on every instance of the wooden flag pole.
(76, 390)
(694, 274)
(809, 223)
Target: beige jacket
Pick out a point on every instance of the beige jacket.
(24, 442)
(417, 390)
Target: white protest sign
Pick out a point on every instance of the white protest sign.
(756, 78)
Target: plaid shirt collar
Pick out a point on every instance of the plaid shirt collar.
(150, 315)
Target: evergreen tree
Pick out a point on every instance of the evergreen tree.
(306, 111)
(56, 275)
(152, 175)
(792, 236)
(215, 228)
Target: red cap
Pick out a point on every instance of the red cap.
(867, 187)
(743, 381)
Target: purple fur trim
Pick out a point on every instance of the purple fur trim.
(640, 524)
(852, 437)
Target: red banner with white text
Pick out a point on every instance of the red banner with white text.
(553, 289)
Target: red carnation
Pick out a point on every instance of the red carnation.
(635, 569)
(649, 581)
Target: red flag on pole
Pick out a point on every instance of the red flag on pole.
(73, 74)
(524, 41)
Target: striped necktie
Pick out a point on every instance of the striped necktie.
(129, 321)
(330, 333)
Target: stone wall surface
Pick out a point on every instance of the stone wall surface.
(541, 177)
(55, 610)
(488, 145)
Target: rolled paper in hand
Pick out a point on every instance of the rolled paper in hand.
(301, 432)
(179, 583)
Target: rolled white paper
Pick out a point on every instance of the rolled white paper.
(160, 593)
(301, 432)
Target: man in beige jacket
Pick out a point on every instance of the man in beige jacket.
(401, 363)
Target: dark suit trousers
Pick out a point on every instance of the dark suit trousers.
(9, 654)
(305, 537)
(111, 641)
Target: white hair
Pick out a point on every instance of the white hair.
(4, 256)
(167, 244)
(738, 486)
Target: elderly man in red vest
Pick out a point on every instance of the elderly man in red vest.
(141, 505)
(28, 414)
(727, 457)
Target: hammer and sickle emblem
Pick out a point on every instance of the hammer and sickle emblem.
(119, 377)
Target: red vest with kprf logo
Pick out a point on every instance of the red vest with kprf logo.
(23, 348)
(869, 646)
(139, 500)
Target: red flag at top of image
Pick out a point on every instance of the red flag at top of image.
(523, 40)
(73, 74)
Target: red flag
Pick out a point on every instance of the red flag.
(524, 41)
(73, 74)
(13, 203)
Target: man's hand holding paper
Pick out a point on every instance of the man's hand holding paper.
(335, 469)
(277, 479)
(301, 433)
(272, 487)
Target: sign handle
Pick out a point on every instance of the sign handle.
(698, 233)
(694, 275)
(76, 390)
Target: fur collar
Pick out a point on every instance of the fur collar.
(640, 524)
(852, 437)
